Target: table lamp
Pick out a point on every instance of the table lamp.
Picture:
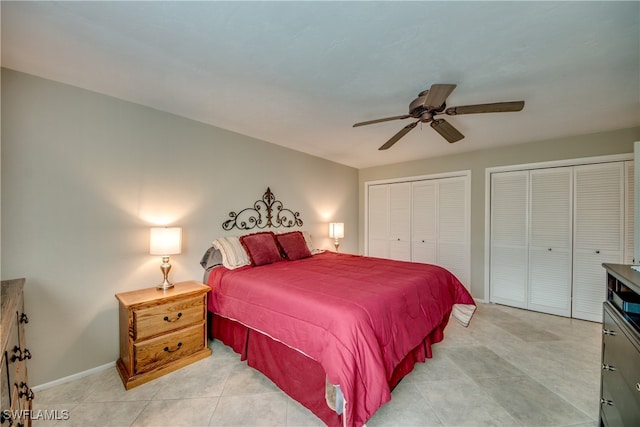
(336, 231)
(165, 241)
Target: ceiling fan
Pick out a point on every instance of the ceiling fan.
(430, 103)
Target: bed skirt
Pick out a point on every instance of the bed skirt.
(299, 376)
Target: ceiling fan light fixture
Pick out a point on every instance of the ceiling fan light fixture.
(432, 102)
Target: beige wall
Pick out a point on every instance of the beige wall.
(83, 178)
(605, 143)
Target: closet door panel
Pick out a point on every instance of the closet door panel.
(452, 256)
(589, 291)
(629, 211)
(453, 227)
(550, 281)
(598, 207)
(400, 221)
(508, 276)
(423, 222)
(598, 234)
(550, 240)
(378, 221)
(509, 241)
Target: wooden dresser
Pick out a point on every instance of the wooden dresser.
(620, 375)
(161, 331)
(15, 396)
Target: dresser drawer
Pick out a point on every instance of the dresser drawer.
(620, 372)
(619, 403)
(620, 355)
(160, 319)
(159, 351)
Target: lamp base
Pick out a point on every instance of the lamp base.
(165, 268)
(164, 286)
(336, 243)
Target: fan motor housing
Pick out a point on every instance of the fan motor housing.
(417, 105)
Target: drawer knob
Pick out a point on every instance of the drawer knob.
(609, 332)
(606, 402)
(26, 391)
(166, 318)
(20, 354)
(176, 349)
(638, 386)
(608, 367)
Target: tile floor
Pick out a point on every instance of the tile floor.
(510, 367)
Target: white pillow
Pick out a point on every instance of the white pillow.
(233, 254)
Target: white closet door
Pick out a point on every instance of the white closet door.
(550, 241)
(598, 238)
(378, 221)
(509, 244)
(423, 222)
(400, 221)
(453, 227)
(629, 211)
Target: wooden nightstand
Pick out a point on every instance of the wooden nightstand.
(161, 331)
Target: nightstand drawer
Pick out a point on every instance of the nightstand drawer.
(156, 320)
(161, 350)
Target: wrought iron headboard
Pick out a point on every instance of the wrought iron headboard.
(261, 215)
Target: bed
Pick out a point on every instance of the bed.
(334, 331)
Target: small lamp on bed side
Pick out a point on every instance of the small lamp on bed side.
(336, 231)
(165, 241)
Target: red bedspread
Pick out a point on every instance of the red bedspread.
(357, 316)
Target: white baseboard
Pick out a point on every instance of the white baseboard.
(74, 377)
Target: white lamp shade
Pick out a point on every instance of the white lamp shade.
(336, 230)
(165, 240)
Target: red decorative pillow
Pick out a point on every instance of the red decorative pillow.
(261, 247)
(293, 245)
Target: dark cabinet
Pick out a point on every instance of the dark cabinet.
(620, 375)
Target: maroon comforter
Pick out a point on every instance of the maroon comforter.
(356, 316)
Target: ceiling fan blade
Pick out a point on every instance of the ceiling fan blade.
(497, 107)
(438, 94)
(386, 119)
(447, 130)
(395, 138)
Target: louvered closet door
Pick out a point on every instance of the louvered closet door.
(400, 221)
(423, 219)
(378, 221)
(598, 228)
(509, 245)
(453, 227)
(550, 241)
(629, 211)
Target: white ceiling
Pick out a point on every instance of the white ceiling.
(299, 74)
